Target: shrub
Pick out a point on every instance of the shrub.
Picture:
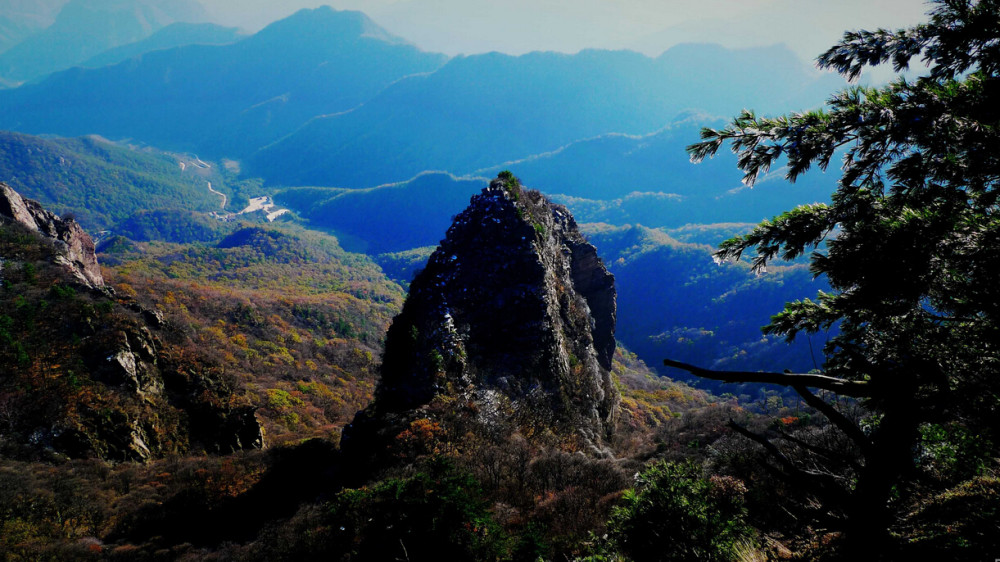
(437, 514)
(675, 514)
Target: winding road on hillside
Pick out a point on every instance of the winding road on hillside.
(219, 193)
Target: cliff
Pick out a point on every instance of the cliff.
(75, 247)
(85, 373)
(510, 324)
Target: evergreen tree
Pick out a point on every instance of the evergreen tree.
(910, 245)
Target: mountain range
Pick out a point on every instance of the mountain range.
(85, 28)
(19, 19)
(329, 98)
(345, 124)
(307, 323)
(235, 97)
(174, 35)
(484, 110)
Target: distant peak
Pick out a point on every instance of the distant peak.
(329, 23)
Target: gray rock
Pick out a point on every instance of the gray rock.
(76, 248)
(513, 316)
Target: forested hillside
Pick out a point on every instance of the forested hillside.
(297, 321)
(101, 182)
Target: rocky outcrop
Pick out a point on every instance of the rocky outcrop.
(513, 318)
(85, 373)
(129, 364)
(75, 247)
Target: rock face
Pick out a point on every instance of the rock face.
(84, 373)
(76, 249)
(513, 318)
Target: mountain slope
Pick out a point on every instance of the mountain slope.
(663, 189)
(650, 180)
(295, 322)
(223, 100)
(173, 35)
(86, 374)
(20, 19)
(100, 182)
(85, 28)
(480, 111)
(389, 218)
(675, 302)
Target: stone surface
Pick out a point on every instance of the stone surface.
(513, 316)
(76, 248)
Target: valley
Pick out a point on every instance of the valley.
(311, 291)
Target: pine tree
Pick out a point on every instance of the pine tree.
(910, 245)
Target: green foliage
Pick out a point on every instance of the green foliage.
(173, 225)
(675, 514)
(957, 524)
(402, 267)
(436, 514)
(510, 182)
(101, 182)
(29, 271)
(953, 452)
(436, 360)
(911, 243)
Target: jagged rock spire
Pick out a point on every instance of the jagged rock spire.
(513, 316)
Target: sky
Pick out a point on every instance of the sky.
(454, 27)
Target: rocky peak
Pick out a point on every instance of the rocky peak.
(76, 248)
(513, 316)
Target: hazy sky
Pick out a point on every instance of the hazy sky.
(518, 26)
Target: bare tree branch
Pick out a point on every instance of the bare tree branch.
(856, 389)
(764, 442)
(820, 451)
(825, 481)
(842, 422)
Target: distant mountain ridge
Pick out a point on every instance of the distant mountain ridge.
(174, 35)
(480, 111)
(20, 19)
(85, 28)
(674, 300)
(223, 100)
(327, 97)
(387, 218)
